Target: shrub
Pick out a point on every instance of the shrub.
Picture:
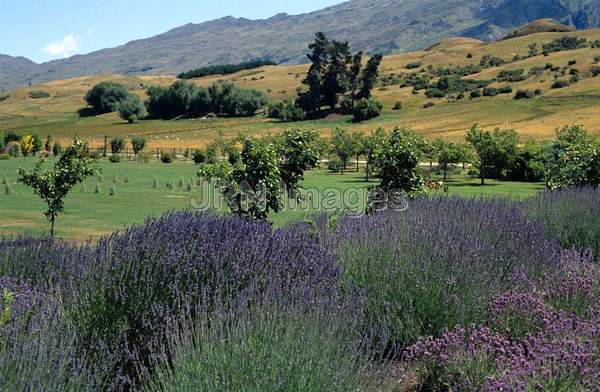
(57, 149)
(286, 111)
(475, 94)
(414, 65)
(335, 165)
(397, 105)
(198, 157)
(595, 71)
(560, 84)
(106, 97)
(428, 105)
(308, 349)
(434, 93)
(138, 143)
(366, 109)
(570, 215)
(4, 157)
(38, 94)
(564, 43)
(490, 92)
(167, 157)
(524, 94)
(505, 90)
(117, 145)
(115, 158)
(421, 276)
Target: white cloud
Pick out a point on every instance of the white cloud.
(65, 47)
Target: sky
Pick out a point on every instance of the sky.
(44, 30)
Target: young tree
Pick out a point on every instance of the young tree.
(372, 145)
(446, 154)
(358, 140)
(342, 145)
(297, 154)
(27, 145)
(53, 185)
(398, 163)
(255, 187)
(495, 150)
(138, 143)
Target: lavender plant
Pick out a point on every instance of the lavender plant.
(437, 264)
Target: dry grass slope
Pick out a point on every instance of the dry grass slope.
(538, 117)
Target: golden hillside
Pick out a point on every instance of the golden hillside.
(537, 117)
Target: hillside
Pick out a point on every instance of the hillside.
(536, 117)
(389, 26)
(540, 26)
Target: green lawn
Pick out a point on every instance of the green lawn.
(89, 214)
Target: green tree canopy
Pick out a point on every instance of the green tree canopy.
(105, 97)
(54, 185)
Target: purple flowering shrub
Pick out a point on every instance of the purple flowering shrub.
(120, 295)
(570, 215)
(36, 351)
(438, 264)
(546, 338)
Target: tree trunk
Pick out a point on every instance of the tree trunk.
(367, 171)
(482, 173)
(52, 220)
(357, 169)
(445, 172)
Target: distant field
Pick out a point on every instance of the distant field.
(538, 117)
(90, 215)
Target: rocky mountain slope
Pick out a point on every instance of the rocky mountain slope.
(386, 26)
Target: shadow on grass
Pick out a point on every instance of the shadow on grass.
(86, 112)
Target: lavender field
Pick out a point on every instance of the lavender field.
(464, 294)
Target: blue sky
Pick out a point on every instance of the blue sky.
(44, 30)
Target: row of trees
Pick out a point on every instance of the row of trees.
(180, 99)
(15, 144)
(186, 99)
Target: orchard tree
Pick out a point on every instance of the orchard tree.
(496, 151)
(297, 153)
(573, 159)
(372, 145)
(398, 163)
(446, 154)
(342, 145)
(53, 185)
(254, 187)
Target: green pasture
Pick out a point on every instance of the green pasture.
(90, 214)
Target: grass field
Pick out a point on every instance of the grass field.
(535, 118)
(90, 215)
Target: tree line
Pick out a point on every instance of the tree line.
(224, 69)
(337, 81)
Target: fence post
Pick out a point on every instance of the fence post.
(157, 156)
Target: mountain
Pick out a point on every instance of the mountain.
(371, 25)
(10, 66)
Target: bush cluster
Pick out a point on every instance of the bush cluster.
(186, 99)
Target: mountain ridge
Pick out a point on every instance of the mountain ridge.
(388, 26)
